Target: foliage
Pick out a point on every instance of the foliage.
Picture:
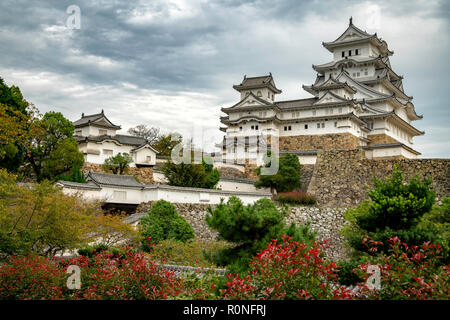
(408, 272)
(295, 198)
(76, 175)
(250, 227)
(90, 250)
(287, 177)
(52, 149)
(150, 134)
(42, 220)
(395, 209)
(112, 231)
(13, 132)
(105, 276)
(166, 143)
(191, 175)
(288, 270)
(192, 252)
(31, 277)
(15, 115)
(437, 222)
(346, 276)
(117, 164)
(163, 222)
(12, 97)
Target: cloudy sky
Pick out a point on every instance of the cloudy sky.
(172, 64)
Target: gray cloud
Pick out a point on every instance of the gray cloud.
(172, 63)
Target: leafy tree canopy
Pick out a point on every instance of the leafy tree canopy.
(191, 175)
(286, 179)
(52, 148)
(166, 143)
(118, 164)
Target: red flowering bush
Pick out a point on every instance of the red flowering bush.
(408, 272)
(127, 275)
(288, 270)
(31, 277)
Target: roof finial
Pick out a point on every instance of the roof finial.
(82, 115)
(102, 111)
(350, 21)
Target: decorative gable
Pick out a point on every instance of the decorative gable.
(330, 97)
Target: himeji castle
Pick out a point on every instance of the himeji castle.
(358, 101)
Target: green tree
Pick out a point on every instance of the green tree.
(163, 222)
(250, 228)
(117, 164)
(166, 143)
(76, 175)
(191, 175)
(287, 177)
(12, 97)
(14, 121)
(52, 148)
(41, 219)
(395, 209)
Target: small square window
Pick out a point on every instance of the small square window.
(318, 125)
(335, 124)
(343, 54)
(253, 127)
(323, 124)
(356, 52)
(256, 127)
(349, 53)
(102, 132)
(306, 126)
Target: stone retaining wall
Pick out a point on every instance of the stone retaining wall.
(327, 222)
(319, 141)
(340, 177)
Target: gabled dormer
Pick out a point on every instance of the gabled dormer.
(262, 87)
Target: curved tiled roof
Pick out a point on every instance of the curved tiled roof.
(113, 179)
(119, 138)
(91, 119)
(257, 82)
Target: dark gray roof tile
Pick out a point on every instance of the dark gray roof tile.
(113, 179)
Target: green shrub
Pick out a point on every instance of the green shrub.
(437, 223)
(250, 228)
(346, 276)
(163, 222)
(395, 209)
(286, 179)
(295, 197)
